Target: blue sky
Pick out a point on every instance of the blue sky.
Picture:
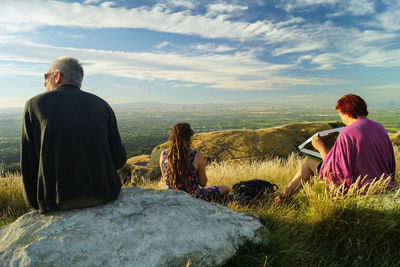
(175, 51)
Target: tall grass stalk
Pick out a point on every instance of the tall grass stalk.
(276, 170)
(12, 203)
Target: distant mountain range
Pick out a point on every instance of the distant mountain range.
(149, 105)
(6, 111)
(144, 105)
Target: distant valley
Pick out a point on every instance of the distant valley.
(145, 125)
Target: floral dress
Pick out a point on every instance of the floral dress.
(195, 189)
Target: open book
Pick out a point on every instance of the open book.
(329, 138)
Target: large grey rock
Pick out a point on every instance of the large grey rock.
(144, 227)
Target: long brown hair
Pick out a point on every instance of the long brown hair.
(179, 155)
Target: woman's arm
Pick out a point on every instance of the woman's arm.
(319, 145)
(200, 166)
(338, 166)
(161, 159)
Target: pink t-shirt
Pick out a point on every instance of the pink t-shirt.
(361, 149)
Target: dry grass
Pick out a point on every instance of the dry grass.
(12, 203)
(317, 228)
(276, 170)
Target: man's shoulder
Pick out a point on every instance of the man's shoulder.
(35, 99)
(43, 99)
(95, 98)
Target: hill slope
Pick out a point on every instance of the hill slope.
(251, 144)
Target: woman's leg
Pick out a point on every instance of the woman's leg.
(308, 169)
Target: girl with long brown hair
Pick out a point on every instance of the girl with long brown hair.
(184, 168)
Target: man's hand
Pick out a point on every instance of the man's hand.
(319, 145)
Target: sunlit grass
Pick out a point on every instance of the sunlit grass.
(12, 203)
(319, 227)
(275, 170)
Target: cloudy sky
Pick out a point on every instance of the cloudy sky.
(198, 51)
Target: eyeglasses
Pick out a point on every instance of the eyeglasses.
(47, 75)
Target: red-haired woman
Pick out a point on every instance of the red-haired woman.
(362, 149)
(184, 168)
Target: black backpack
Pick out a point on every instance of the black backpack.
(252, 190)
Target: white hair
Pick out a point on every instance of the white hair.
(70, 68)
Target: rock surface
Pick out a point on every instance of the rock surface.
(144, 227)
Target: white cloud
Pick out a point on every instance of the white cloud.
(353, 7)
(177, 85)
(290, 5)
(213, 48)
(181, 3)
(360, 7)
(241, 71)
(90, 2)
(163, 45)
(11, 28)
(326, 61)
(395, 86)
(326, 45)
(157, 18)
(329, 46)
(11, 102)
(107, 4)
(301, 47)
(224, 9)
(390, 18)
(14, 68)
(380, 58)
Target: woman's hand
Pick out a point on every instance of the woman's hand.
(319, 145)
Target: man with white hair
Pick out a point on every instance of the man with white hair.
(70, 144)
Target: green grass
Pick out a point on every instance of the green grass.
(12, 203)
(316, 228)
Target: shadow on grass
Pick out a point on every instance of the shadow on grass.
(346, 237)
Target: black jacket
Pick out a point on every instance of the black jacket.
(70, 148)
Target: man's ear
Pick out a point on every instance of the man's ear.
(58, 78)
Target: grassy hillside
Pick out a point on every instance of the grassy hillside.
(252, 144)
(395, 137)
(315, 229)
